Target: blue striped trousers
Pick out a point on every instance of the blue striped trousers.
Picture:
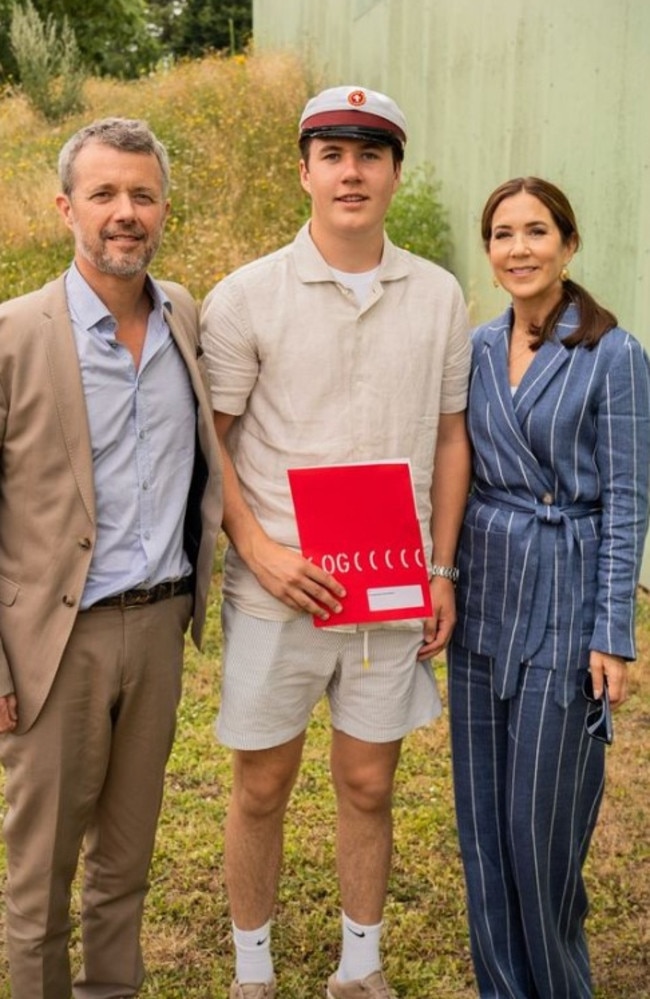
(528, 782)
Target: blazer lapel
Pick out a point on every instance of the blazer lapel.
(501, 419)
(187, 351)
(551, 358)
(68, 390)
(491, 366)
(190, 350)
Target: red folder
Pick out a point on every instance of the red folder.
(359, 523)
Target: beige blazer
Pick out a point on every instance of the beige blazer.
(47, 501)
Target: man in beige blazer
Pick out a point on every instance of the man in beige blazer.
(110, 506)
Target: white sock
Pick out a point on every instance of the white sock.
(253, 954)
(360, 954)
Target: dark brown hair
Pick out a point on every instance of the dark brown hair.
(397, 150)
(594, 319)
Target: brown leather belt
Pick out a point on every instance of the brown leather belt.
(140, 597)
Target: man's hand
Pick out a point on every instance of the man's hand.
(8, 713)
(438, 627)
(295, 580)
(288, 576)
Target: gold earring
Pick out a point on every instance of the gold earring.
(564, 274)
(495, 283)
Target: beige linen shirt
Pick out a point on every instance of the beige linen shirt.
(317, 380)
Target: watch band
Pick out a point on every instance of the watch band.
(446, 571)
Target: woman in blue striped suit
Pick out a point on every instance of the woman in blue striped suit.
(549, 559)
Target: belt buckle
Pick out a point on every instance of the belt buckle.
(138, 598)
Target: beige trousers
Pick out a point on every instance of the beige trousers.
(89, 775)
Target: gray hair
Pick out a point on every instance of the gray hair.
(130, 135)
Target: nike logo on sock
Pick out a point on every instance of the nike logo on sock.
(362, 934)
(260, 943)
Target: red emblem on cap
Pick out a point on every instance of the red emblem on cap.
(357, 98)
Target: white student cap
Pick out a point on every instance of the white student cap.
(355, 113)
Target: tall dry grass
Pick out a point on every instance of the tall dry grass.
(230, 128)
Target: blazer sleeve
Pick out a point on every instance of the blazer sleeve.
(6, 681)
(622, 457)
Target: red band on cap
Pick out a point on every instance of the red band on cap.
(360, 118)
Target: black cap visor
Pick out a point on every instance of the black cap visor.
(380, 135)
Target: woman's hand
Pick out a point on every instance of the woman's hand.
(601, 666)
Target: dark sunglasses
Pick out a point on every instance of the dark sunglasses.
(599, 715)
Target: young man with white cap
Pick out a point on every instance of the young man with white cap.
(337, 348)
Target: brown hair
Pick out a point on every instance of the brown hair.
(594, 320)
(397, 149)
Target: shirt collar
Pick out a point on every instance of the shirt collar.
(87, 308)
(312, 267)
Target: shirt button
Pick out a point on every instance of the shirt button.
(548, 499)
(69, 601)
(85, 543)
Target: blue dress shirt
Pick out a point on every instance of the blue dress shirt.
(142, 429)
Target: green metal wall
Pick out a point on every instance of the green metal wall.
(494, 89)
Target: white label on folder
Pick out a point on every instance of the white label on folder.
(381, 598)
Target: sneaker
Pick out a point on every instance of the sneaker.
(253, 990)
(373, 986)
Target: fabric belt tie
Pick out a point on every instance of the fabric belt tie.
(139, 597)
(523, 641)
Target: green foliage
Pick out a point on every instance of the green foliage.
(195, 27)
(8, 68)
(128, 38)
(417, 219)
(115, 37)
(48, 60)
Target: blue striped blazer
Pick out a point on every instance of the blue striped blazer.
(553, 535)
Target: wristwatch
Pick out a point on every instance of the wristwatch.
(446, 571)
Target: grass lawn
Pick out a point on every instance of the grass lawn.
(186, 932)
